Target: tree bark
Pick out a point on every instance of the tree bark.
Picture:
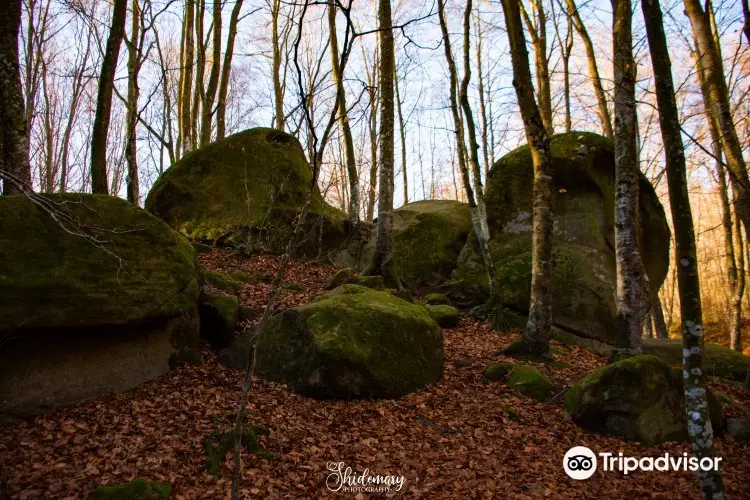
(381, 260)
(346, 132)
(538, 32)
(14, 139)
(402, 136)
(131, 118)
(596, 81)
(221, 108)
(372, 91)
(278, 93)
(632, 283)
(535, 338)
(735, 333)
(657, 313)
(482, 100)
(200, 70)
(100, 128)
(207, 108)
(187, 80)
(696, 402)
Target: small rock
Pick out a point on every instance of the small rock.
(436, 299)
(445, 316)
(739, 429)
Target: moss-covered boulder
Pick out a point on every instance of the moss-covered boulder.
(427, 237)
(100, 298)
(437, 299)
(137, 489)
(583, 274)
(245, 191)
(498, 371)
(529, 381)
(353, 342)
(221, 281)
(639, 398)
(445, 316)
(219, 315)
(718, 361)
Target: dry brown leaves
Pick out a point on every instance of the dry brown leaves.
(473, 450)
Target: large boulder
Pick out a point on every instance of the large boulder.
(427, 237)
(583, 276)
(99, 298)
(639, 398)
(245, 191)
(353, 342)
(718, 361)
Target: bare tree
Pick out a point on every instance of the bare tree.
(632, 282)
(566, 50)
(207, 106)
(535, 339)
(221, 108)
(696, 401)
(100, 128)
(135, 49)
(537, 28)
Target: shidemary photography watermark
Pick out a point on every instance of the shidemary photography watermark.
(345, 479)
(581, 462)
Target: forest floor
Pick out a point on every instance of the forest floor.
(458, 439)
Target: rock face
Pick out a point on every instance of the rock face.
(219, 315)
(353, 342)
(427, 237)
(84, 316)
(583, 280)
(638, 398)
(718, 361)
(245, 190)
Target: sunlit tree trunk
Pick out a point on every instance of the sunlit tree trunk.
(735, 333)
(482, 99)
(696, 401)
(481, 229)
(14, 141)
(221, 107)
(535, 338)
(372, 91)
(100, 128)
(596, 81)
(381, 260)
(343, 116)
(207, 107)
(538, 31)
(566, 50)
(131, 118)
(187, 79)
(200, 71)
(278, 93)
(632, 283)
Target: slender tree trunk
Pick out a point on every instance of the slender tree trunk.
(373, 129)
(538, 31)
(200, 71)
(596, 81)
(735, 334)
(100, 128)
(717, 97)
(696, 402)
(207, 107)
(187, 79)
(167, 109)
(351, 160)
(402, 134)
(566, 49)
(381, 260)
(278, 94)
(481, 230)
(14, 139)
(746, 16)
(221, 108)
(648, 330)
(658, 315)
(131, 118)
(632, 283)
(535, 338)
(482, 99)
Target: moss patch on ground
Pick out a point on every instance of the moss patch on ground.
(218, 444)
(137, 489)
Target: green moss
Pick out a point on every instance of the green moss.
(436, 299)
(638, 398)
(293, 287)
(218, 444)
(718, 361)
(244, 190)
(201, 247)
(353, 342)
(137, 489)
(444, 315)
(498, 371)
(529, 381)
(512, 414)
(342, 276)
(221, 281)
(131, 268)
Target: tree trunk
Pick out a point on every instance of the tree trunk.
(481, 230)
(735, 334)
(566, 50)
(221, 108)
(696, 403)
(381, 260)
(482, 100)
(632, 283)
(535, 338)
(373, 129)
(200, 71)
(596, 81)
(131, 118)
(648, 330)
(100, 128)
(187, 79)
(538, 31)
(717, 97)
(657, 313)
(402, 134)
(14, 139)
(746, 16)
(278, 94)
(351, 160)
(207, 107)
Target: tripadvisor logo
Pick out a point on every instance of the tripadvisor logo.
(580, 463)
